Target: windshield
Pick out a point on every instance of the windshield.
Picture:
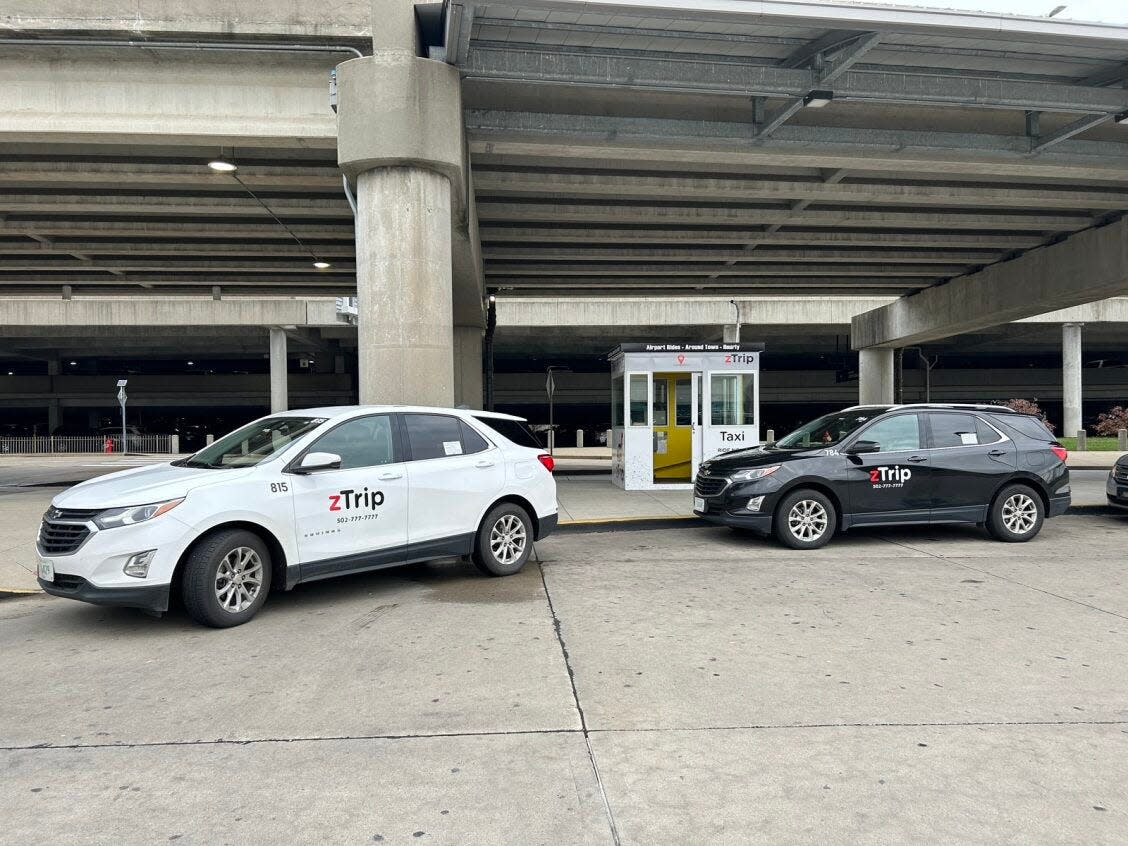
(254, 443)
(829, 430)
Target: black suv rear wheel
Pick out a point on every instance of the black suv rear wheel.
(1016, 515)
(805, 519)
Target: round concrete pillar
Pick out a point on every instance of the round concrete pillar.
(875, 376)
(1071, 389)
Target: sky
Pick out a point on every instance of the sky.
(1105, 11)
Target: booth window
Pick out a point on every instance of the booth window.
(661, 403)
(617, 401)
(733, 399)
(638, 399)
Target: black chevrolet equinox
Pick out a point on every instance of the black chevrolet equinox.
(887, 465)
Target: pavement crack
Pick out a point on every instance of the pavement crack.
(1009, 579)
(580, 709)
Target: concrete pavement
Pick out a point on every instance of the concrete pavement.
(896, 686)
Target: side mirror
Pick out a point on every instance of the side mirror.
(862, 447)
(312, 462)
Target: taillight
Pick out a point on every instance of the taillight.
(547, 460)
(1060, 451)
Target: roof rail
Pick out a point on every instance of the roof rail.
(969, 406)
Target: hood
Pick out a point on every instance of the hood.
(142, 485)
(758, 457)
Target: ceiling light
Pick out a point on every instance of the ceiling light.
(321, 265)
(818, 99)
(191, 363)
(74, 363)
(1122, 118)
(221, 166)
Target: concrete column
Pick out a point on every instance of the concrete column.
(875, 376)
(468, 366)
(279, 377)
(403, 277)
(1071, 392)
(52, 415)
(731, 334)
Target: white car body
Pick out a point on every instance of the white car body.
(318, 524)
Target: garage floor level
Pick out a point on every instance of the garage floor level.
(897, 686)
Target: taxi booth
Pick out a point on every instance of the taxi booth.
(676, 405)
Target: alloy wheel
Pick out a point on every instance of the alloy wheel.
(508, 539)
(807, 520)
(1020, 514)
(238, 579)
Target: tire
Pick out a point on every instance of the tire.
(1016, 515)
(805, 519)
(214, 593)
(504, 542)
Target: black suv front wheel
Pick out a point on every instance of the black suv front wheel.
(805, 519)
(1016, 514)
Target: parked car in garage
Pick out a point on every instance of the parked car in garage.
(301, 496)
(1117, 486)
(889, 465)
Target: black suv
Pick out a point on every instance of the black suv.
(1117, 487)
(885, 465)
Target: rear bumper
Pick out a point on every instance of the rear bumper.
(147, 597)
(546, 526)
(1059, 505)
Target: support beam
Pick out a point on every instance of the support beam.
(279, 371)
(1071, 392)
(875, 377)
(1091, 265)
(468, 366)
(1069, 130)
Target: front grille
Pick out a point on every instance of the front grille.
(61, 538)
(77, 515)
(1120, 473)
(710, 485)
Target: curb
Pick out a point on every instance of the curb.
(16, 593)
(628, 524)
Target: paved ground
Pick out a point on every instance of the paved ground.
(648, 687)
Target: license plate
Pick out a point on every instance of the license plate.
(47, 571)
(698, 504)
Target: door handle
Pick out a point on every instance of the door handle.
(482, 465)
(997, 453)
(386, 477)
(917, 459)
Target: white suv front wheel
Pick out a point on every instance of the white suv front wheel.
(505, 541)
(226, 578)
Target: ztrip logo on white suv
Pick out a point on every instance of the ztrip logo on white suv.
(297, 497)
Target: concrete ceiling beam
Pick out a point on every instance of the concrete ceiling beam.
(137, 311)
(177, 248)
(189, 205)
(126, 175)
(88, 228)
(763, 254)
(299, 264)
(658, 283)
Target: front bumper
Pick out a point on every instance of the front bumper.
(152, 598)
(1117, 492)
(759, 523)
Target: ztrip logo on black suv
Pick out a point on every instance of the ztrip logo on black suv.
(890, 477)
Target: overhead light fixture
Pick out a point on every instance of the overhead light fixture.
(321, 265)
(818, 99)
(191, 363)
(1057, 11)
(223, 166)
(1122, 118)
(73, 363)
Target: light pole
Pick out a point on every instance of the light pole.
(121, 399)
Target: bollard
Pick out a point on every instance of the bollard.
(551, 442)
(770, 436)
(174, 444)
(580, 438)
(607, 437)
(1122, 440)
(1082, 440)
(209, 439)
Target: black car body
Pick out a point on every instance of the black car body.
(1117, 487)
(883, 465)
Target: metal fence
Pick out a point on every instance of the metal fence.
(38, 444)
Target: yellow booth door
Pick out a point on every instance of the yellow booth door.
(673, 427)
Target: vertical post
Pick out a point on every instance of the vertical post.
(731, 333)
(488, 352)
(279, 388)
(1071, 378)
(875, 376)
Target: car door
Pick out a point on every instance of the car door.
(453, 475)
(355, 517)
(969, 459)
(893, 484)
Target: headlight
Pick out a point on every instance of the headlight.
(754, 473)
(114, 517)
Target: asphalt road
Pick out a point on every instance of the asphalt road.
(650, 687)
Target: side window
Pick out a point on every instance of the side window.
(433, 436)
(472, 442)
(986, 434)
(364, 442)
(950, 429)
(895, 433)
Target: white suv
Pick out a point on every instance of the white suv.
(301, 496)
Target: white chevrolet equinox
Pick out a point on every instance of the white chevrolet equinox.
(300, 496)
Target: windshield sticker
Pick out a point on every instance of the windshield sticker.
(452, 447)
(883, 478)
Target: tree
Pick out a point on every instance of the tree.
(1023, 406)
(1112, 421)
